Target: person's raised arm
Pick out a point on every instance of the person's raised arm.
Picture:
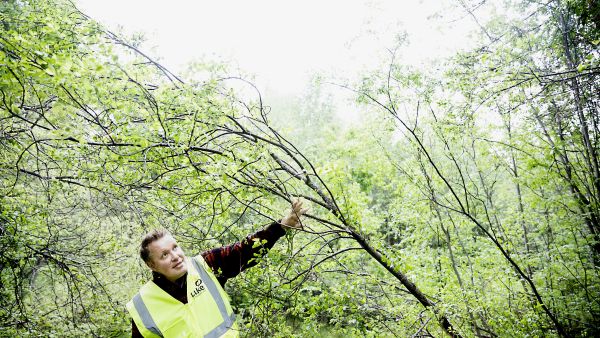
(228, 261)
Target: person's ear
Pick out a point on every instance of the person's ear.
(150, 264)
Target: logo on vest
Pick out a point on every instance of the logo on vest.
(199, 288)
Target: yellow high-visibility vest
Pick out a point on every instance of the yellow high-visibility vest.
(206, 314)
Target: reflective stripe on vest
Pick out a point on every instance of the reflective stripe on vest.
(142, 310)
(228, 319)
(216, 295)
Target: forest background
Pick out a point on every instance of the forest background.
(465, 201)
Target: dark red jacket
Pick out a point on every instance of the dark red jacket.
(226, 262)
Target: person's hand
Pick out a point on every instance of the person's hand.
(292, 219)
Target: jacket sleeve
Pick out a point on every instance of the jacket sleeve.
(135, 333)
(228, 261)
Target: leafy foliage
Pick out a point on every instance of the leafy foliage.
(465, 203)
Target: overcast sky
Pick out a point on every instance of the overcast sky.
(283, 42)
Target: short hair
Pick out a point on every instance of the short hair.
(148, 239)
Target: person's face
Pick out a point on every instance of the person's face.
(167, 258)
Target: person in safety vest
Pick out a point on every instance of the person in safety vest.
(185, 297)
